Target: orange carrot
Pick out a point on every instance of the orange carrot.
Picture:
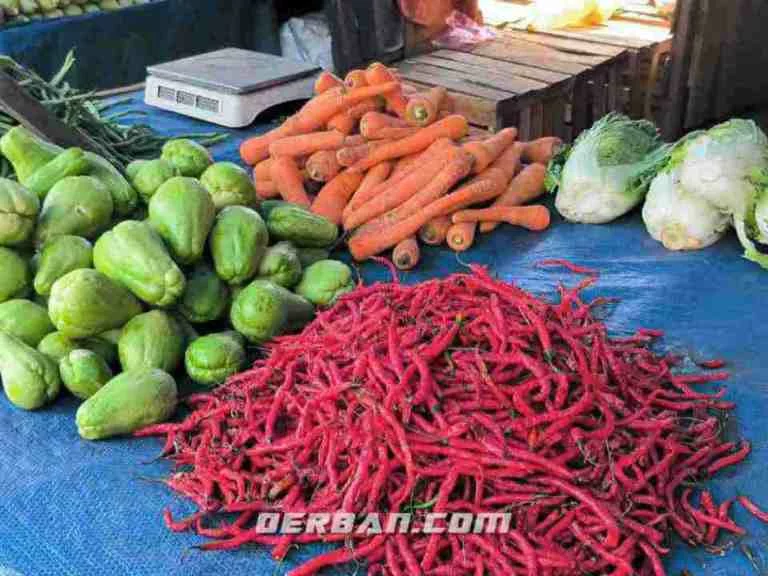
(422, 109)
(405, 164)
(354, 140)
(526, 186)
(325, 81)
(487, 151)
(266, 189)
(394, 133)
(333, 197)
(350, 155)
(373, 122)
(347, 121)
(261, 170)
(530, 217)
(424, 158)
(401, 191)
(406, 254)
(289, 180)
(377, 73)
(460, 237)
(305, 144)
(322, 166)
(453, 127)
(434, 231)
(541, 150)
(374, 177)
(389, 229)
(256, 149)
(355, 79)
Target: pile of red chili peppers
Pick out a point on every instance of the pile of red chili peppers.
(463, 394)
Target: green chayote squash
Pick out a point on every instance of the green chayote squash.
(263, 310)
(190, 158)
(281, 265)
(130, 401)
(59, 256)
(238, 241)
(324, 281)
(300, 226)
(18, 213)
(71, 162)
(86, 303)
(133, 168)
(228, 185)
(308, 256)
(211, 359)
(26, 320)
(56, 345)
(26, 152)
(83, 373)
(133, 255)
(15, 277)
(151, 340)
(151, 175)
(78, 206)
(30, 379)
(206, 296)
(182, 212)
(124, 197)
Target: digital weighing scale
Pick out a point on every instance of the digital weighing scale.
(229, 87)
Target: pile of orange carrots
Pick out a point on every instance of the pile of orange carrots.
(393, 165)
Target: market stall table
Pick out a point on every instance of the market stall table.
(74, 507)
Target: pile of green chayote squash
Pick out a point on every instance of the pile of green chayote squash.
(17, 12)
(113, 285)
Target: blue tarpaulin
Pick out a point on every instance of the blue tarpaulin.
(68, 506)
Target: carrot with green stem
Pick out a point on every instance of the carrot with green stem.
(355, 79)
(422, 109)
(526, 186)
(327, 80)
(351, 155)
(435, 231)
(424, 158)
(460, 237)
(534, 218)
(541, 150)
(401, 191)
(376, 74)
(289, 181)
(487, 151)
(322, 166)
(333, 197)
(306, 144)
(315, 114)
(453, 127)
(406, 254)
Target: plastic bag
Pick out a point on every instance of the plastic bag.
(462, 31)
(548, 15)
(307, 39)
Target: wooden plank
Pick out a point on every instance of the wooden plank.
(579, 107)
(537, 120)
(434, 76)
(572, 45)
(681, 57)
(548, 76)
(557, 62)
(615, 32)
(478, 111)
(614, 87)
(524, 128)
(599, 100)
(547, 54)
(489, 76)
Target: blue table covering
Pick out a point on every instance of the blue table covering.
(73, 507)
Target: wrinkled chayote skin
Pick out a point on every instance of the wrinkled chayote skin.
(228, 185)
(133, 168)
(59, 256)
(15, 277)
(281, 265)
(71, 162)
(238, 241)
(206, 296)
(78, 206)
(56, 345)
(151, 340)
(151, 175)
(30, 379)
(182, 212)
(211, 359)
(124, 196)
(128, 402)
(26, 320)
(187, 156)
(26, 152)
(263, 310)
(18, 213)
(133, 255)
(86, 303)
(324, 281)
(83, 373)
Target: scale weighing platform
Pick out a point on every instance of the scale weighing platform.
(228, 87)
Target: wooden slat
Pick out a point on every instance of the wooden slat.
(572, 45)
(599, 101)
(681, 53)
(434, 76)
(614, 87)
(546, 59)
(547, 54)
(488, 76)
(531, 72)
(537, 120)
(705, 61)
(524, 127)
(623, 34)
(579, 107)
